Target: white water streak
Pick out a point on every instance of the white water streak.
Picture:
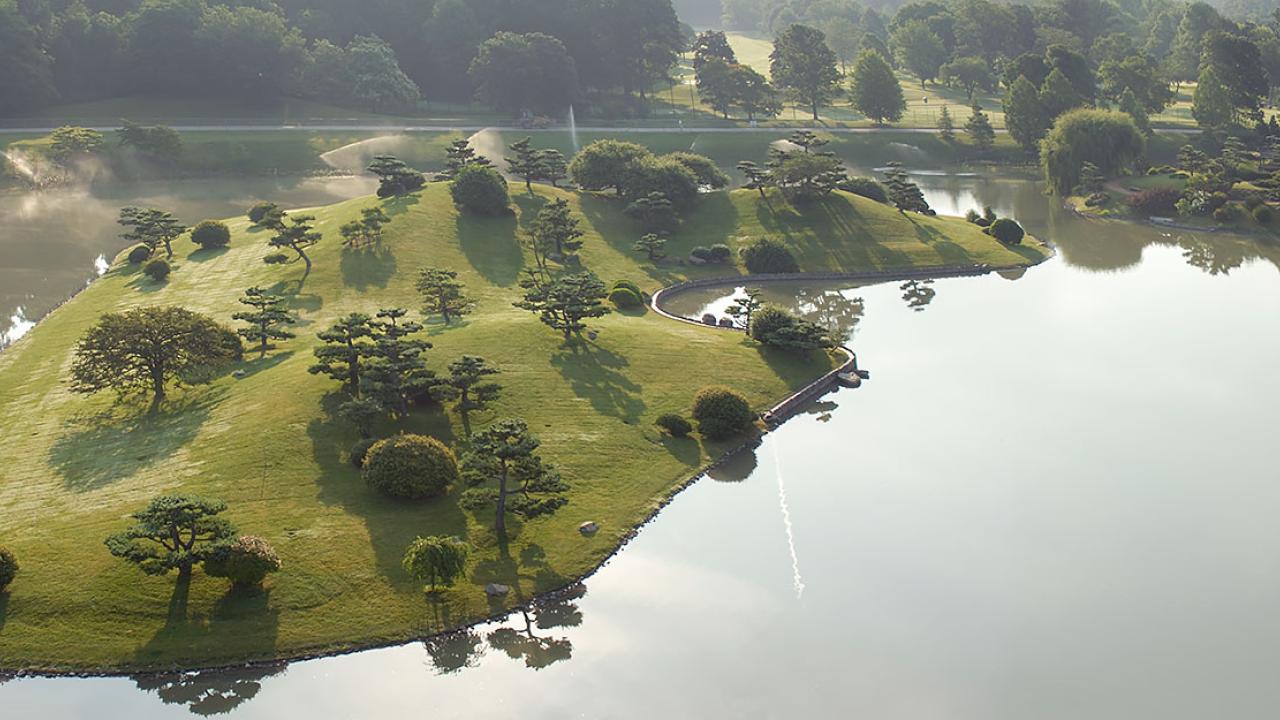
(796, 580)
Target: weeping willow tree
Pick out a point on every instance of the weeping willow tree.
(1108, 139)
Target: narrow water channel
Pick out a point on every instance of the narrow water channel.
(1056, 498)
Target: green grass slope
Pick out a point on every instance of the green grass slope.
(73, 467)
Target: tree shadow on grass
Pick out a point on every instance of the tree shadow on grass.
(367, 266)
(245, 619)
(96, 451)
(596, 374)
(203, 255)
(4, 607)
(491, 246)
(400, 204)
(685, 449)
(392, 524)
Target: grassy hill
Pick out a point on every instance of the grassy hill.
(73, 467)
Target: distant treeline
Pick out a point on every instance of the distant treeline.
(382, 55)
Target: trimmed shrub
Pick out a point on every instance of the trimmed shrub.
(360, 451)
(245, 562)
(768, 256)
(768, 320)
(410, 467)
(628, 285)
(866, 187)
(701, 253)
(625, 298)
(709, 319)
(276, 259)
(1157, 201)
(721, 412)
(158, 270)
(211, 234)
(1264, 215)
(8, 568)
(480, 190)
(674, 425)
(720, 253)
(1225, 214)
(259, 211)
(1007, 231)
(139, 255)
(664, 175)
(706, 171)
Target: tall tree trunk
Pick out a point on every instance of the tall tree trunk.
(500, 524)
(157, 390)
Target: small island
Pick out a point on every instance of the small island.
(486, 354)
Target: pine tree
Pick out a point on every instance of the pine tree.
(1025, 114)
(652, 245)
(744, 308)
(466, 384)
(458, 155)
(1211, 104)
(297, 235)
(1058, 95)
(367, 230)
(979, 129)
(807, 140)
(552, 167)
(150, 227)
(267, 319)
(556, 229)
(346, 345)
(564, 303)
(1091, 179)
(946, 127)
(396, 371)
(1191, 159)
(395, 177)
(443, 294)
(505, 455)
(758, 178)
(654, 212)
(526, 163)
(904, 194)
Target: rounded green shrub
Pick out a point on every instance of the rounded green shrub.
(410, 467)
(625, 298)
(768, 320)
(1264, 215)
(720, 253)
(260, 211)
(721, 412)
(360, 451)
(480, 190)
(1007, 231)
(628, 285)
(8, 568)
(1225, 214)
(245, 562)
(158, 269)
(867, 187)
(767, 256)
(211, 234)
(139, 255)
(674, 425)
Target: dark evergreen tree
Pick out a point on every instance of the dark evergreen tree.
(505, 473)
(564, 303)
(903, 193)
(395, 177)
(396, 371)
(443, 294)
(346, 345)
(267, 319)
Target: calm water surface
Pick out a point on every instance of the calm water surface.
(1056, 498)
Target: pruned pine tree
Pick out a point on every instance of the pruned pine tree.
(443, 294)
(505, 473)
(150, 227)
(267, 319)
(565, 302)
(903, 193)
(396, 371)
(346, 346)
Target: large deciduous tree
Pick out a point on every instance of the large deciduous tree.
(802, 64)
(875, 91)
(513, 72)
(1024, 115)
(919, 49)
(1110, 140)
(147, 349)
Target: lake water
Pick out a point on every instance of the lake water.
(1056, 498)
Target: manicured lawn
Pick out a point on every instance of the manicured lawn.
(73, 467)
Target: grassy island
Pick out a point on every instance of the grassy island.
(265, 438)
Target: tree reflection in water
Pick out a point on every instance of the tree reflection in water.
(209, 692)
(1216, 257)
(536, 650)
(918, 294)
(831, 309)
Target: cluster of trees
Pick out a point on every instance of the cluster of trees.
(726, 85)
(514, 54)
